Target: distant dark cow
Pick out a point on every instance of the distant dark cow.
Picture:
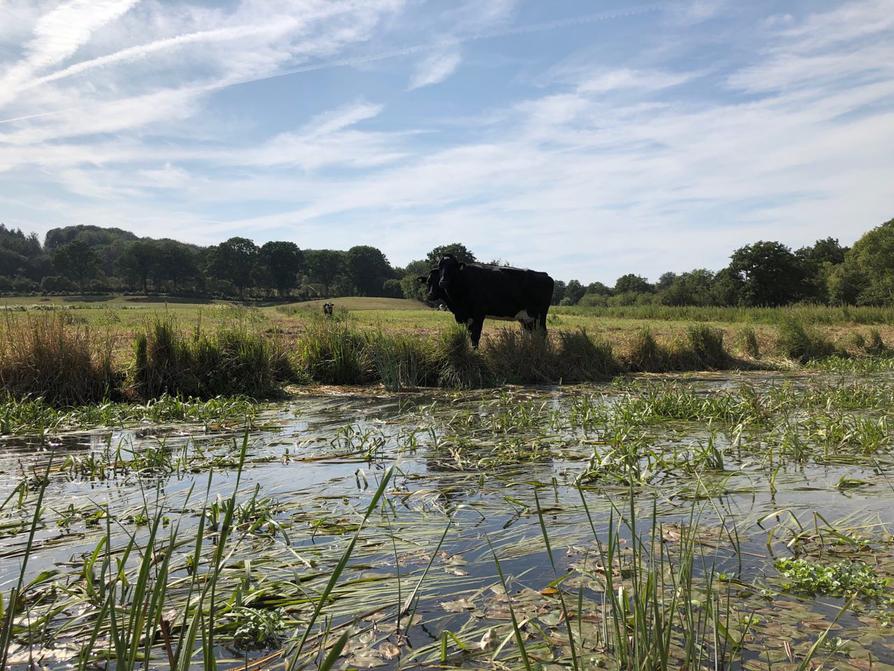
(473, 291)
(327, 309)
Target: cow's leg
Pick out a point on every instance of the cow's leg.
(541, 320)
(528, 324)
(475, 325)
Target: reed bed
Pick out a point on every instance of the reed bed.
(66, 363)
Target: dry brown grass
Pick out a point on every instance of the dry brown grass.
(50, 356)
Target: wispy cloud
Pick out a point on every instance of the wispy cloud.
(57, 35)
(436, 68)
(622, 161)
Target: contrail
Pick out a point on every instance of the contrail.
(410, 50)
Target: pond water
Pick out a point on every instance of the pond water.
(665, 503)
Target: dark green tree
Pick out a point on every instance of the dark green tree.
(574, 291)
(324, 266)
(367, 269)
(136, 263)
(76, 261)
(692, 288)
(771, 275)
(633, 284)
(872, 256)
(459, 250)
(282, 262)
(233, 261)
(409, 284)
(558, 292)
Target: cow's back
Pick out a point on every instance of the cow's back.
(500, 291)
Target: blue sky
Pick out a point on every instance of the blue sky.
(587, 139)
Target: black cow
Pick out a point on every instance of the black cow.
(473, 291)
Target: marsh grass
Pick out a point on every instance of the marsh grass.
(583, 359)
(204, 365)
(645, 354)
(156, 596)
(748, 342)
(332, 352)
(807, 313)
(802, 342)
(461, 366)
(36, 416)
(401, 361)
(521, 357)
(48, 356)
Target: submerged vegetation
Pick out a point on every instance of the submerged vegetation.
(645, 523)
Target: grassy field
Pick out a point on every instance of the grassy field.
(78, 350)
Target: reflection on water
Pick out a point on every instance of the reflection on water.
(467, 468)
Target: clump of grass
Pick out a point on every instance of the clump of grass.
(331, 352)
(49, 357)
(748, 342)
(646, 355)
(581, 359)
(401, 361)
(521, 357)
(803, 343)
(230, 361)
(707, 344)
(874, 345)
(462, 366)
(844, 578)
(701, 348)
(857, 341)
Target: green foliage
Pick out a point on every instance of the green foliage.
(869, 268)
(331, 352)
(771, 274)
(203, 365)
(521, 357)
(281, 262)
(462, 366)
(233, 261)
(706, 344)
(802, 343)
(844, 578)
(633, 284)
(76, 261)
(402, 361)
(582, 359)
(256, 628)
(457, 249)
(368, 269)
(645, 353)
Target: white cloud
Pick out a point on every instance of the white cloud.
(607, 168)
(436, 68)
(57, 35)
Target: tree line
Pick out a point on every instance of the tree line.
(91, 259)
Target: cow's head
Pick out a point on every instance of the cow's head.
(448, 272)
(431, 282)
